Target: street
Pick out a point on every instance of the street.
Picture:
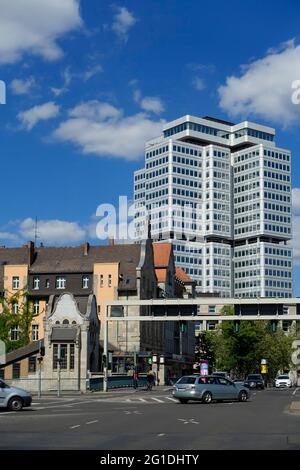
(153, 420)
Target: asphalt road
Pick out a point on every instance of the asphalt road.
(153, 420)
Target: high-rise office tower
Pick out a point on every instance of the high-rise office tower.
(221, 193)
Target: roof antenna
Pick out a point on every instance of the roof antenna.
(36, 233)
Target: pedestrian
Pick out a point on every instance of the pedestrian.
(135, 378)
(150, 380)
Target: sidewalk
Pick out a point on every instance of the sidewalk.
(110, 392)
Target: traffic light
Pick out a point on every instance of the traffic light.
(183, 327)
(149, 360)
(104, 360)
(237, 326)
(42, 350)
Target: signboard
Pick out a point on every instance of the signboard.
(204, 368)
(264, 369)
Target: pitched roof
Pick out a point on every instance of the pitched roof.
(73, 259)
(23, 352)
(162, 253)
(182, 275)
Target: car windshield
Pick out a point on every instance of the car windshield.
(187, 380)
(254, 377)
(283, 377)
(3, 384)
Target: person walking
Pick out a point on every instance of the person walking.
(150, 380)
(135, 378)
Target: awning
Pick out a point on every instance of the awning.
(64, 334)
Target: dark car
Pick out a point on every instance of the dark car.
(254, 381)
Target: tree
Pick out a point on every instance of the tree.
(21, 320)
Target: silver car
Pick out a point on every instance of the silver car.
(13, 398)
(208, 388)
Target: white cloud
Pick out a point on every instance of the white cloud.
(9, 236)
(264, 87)
(67, 78)
(101, 129)
(22, 87)
(34, 26)
(199, 83)
(52, 231)
(123, 21)
(43, 112)
(153, 104)
(147, 103)
(92, 71)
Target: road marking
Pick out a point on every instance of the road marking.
(160, 435)
(35, 404)
(132, 412)
(142, 399)
(157, 399)
(92, 422)
(294, 392)
(188, 421)
(76, 426)
(172, 399)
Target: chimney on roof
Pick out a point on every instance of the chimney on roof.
(30, 247)
(111, 241)
(86, 247)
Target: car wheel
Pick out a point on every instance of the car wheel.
(207, 397)
(183, 401)
(15, 404)
(243, 396)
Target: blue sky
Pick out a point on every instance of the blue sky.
(89, 81)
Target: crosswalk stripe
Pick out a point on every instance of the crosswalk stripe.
(172, 399)
(157, 399)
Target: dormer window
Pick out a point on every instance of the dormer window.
(85, 282)
(36, 282)
(61, 282)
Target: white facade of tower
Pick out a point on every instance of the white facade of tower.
(221, 193)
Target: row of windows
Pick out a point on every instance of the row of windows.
(246, 198)
(277, 228)
(277, 197)
(247, 166)
(278, 155)
(277, 187)
(276, 207)
(186, 193)
(277, 166)
(247, 187)
(246, 177)
(159, 172)
(246, 156)
(248, 229)
(277, 176)
(275, 273)
(156, 183)
(250, 207)
(247, 218)
(278, 218)
(254, 272)
(187, 150)
(157, 162)
(187, 171)
(155, 194)
(158, 151)
(186, 161)
(273, 283)
(192, 183)
(277, 252)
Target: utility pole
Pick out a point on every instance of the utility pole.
(58, 371)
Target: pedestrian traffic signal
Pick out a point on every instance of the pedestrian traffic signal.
(149, 360)
(237, 326)
(42, 351)
(104, 360)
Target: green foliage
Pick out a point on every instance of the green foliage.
(241, 350)
(22, 319)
